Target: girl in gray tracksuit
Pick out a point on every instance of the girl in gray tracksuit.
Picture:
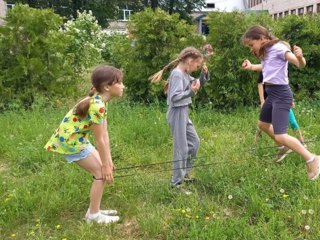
(180, 88)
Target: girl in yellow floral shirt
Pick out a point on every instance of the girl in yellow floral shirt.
(71, 138)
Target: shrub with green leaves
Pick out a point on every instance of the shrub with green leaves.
(303, 31)
(155, 38)
(230, 86)
(41, 57)
(86, 40)
(31, 56)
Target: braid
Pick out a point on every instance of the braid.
(158, 75)
(184, 54)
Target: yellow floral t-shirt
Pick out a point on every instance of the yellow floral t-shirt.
(72, 135)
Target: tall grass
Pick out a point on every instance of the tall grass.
(240, 193)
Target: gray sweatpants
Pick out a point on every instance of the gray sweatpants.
(185, 142)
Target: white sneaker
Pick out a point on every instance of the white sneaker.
(109, 212)
(101, 218)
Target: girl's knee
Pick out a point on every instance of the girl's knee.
(263, 126)
(280, 138)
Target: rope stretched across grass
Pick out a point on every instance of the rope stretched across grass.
(251, 150)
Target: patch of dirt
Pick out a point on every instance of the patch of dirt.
(129, 229)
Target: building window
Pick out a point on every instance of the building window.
(126, 14)
(280, 15)
(10, 6)
(275, 16)
(210, 5)
(293, 12)
(286, 13)
(310, 9)
(318, 8)
(300, 11)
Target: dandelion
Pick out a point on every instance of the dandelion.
(58, 226)
(311, 211)
(281, 190)
(304, 212)
(187, 216)
(307, 227)
(267, 199)
(183, 211)
(13, 235)
(188, 210)
(197, 217)
(32, 233)
(305, 197)
(207, 218)
(230, 196)
(285, 195)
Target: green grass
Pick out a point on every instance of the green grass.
(239, 194)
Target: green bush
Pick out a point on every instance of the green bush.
(31, 59)
(230, 86)
(303, 31)
(86, 41)
(155, 39)
(41, 57)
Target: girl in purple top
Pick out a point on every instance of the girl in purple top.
(273, 119)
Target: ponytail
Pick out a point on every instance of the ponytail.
(184, 54)
(157, 77)
(82, 107)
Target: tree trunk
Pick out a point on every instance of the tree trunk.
(154, 4)
(171, 4)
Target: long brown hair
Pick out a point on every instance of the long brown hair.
(101, 76)
(188, 52)
(257, 32)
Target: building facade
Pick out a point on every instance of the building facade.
(278, 9)
(224, 5)
(3, 10)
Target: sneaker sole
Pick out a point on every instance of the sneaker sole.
(109, 212)
(283, 156)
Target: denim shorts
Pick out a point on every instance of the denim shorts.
(78, 156)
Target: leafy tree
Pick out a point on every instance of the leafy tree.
(155, 38)
(112, 9)
(304, 32)
(102, 9)
(86, 41)
(39, 58)
(230, 86)
(31, 62)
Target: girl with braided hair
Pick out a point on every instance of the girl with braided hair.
(180, 87)
(71, 139)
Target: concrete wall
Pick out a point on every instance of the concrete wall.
(3, 9)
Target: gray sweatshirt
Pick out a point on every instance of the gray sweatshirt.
(179, 89)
